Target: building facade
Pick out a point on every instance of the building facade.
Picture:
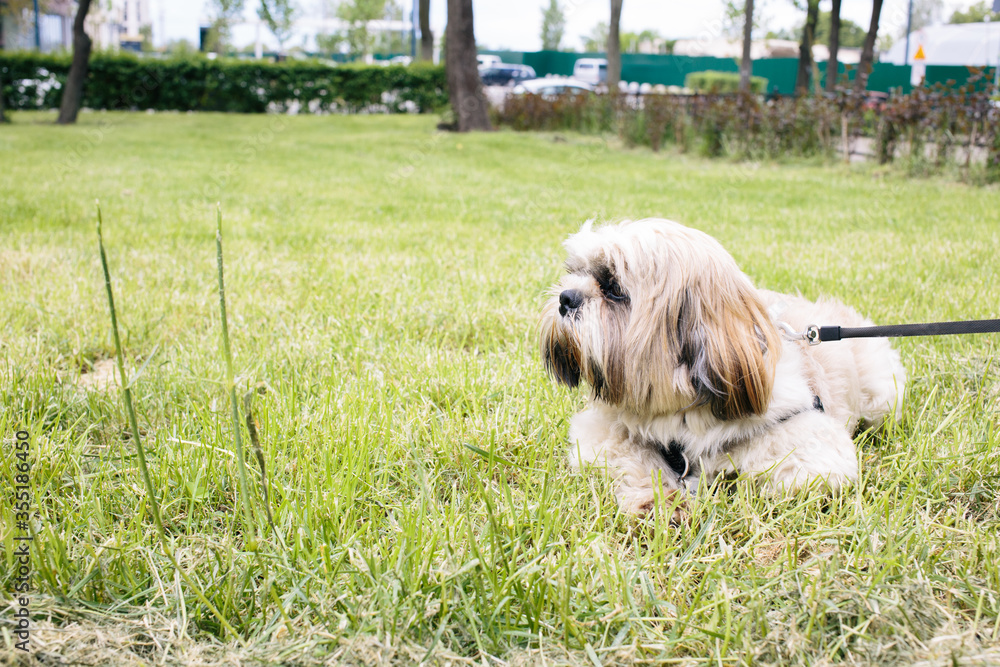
(119, 24)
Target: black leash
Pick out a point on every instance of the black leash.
(815, 335)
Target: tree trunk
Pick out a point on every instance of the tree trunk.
(831, 63)
(868, 51)
(3, 118)
(805, 49)
(845, 141)
(746, 65)
(464, 86)
(73, 91)
(426, 34)
(614, 47)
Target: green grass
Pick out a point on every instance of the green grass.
(384, 281)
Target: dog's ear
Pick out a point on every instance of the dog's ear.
(730, 347)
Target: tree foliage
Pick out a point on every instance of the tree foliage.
(330, 43)
(733, 14)
(224, 14)
(977, 13)
(925, 13)
(392, 41)
(630, 42)
(15, 7)
(597, 40)
(553, 26)
(279, 16)
(851, 34)
(360, 41)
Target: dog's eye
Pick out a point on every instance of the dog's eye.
(612, 290)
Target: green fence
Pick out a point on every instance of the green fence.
(671, 70)
(779, 72)
(887, 78)
(950, 75)
(641, 67)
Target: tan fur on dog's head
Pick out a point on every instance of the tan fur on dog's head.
(658, 318)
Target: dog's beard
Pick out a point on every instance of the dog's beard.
(587, 344)
(560, 346)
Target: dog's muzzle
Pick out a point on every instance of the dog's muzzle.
(569, 301)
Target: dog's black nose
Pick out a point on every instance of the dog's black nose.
(570, 299)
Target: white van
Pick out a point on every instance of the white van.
(591, 70)
(485, 60)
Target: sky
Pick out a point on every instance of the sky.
(516, 24)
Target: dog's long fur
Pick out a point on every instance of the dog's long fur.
(682, 353)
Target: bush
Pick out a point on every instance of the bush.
(993, 160)
(34, 81)
(722, 82)
(587, 113)
(936, 128)
(933, 125)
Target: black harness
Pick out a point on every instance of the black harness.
(674, 456)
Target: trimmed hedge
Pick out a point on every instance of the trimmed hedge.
(722, 82)
(34, 81)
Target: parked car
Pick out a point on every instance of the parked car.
(550, 88)
(505, 74)
(591, 70)
(875, 100)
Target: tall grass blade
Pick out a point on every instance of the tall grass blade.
(126, 386)
(258, 452)
(140, 450)
(251, 532)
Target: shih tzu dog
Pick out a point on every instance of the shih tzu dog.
(690, 377)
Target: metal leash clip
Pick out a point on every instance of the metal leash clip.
(810, 335)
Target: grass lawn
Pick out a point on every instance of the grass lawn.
(384, 281)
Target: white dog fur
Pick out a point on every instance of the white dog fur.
(689, 375)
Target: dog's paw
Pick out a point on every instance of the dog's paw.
(785, 481)
(643, 502)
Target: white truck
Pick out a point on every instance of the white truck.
(591, 70)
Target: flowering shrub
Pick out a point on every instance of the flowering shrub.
(34, 81)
